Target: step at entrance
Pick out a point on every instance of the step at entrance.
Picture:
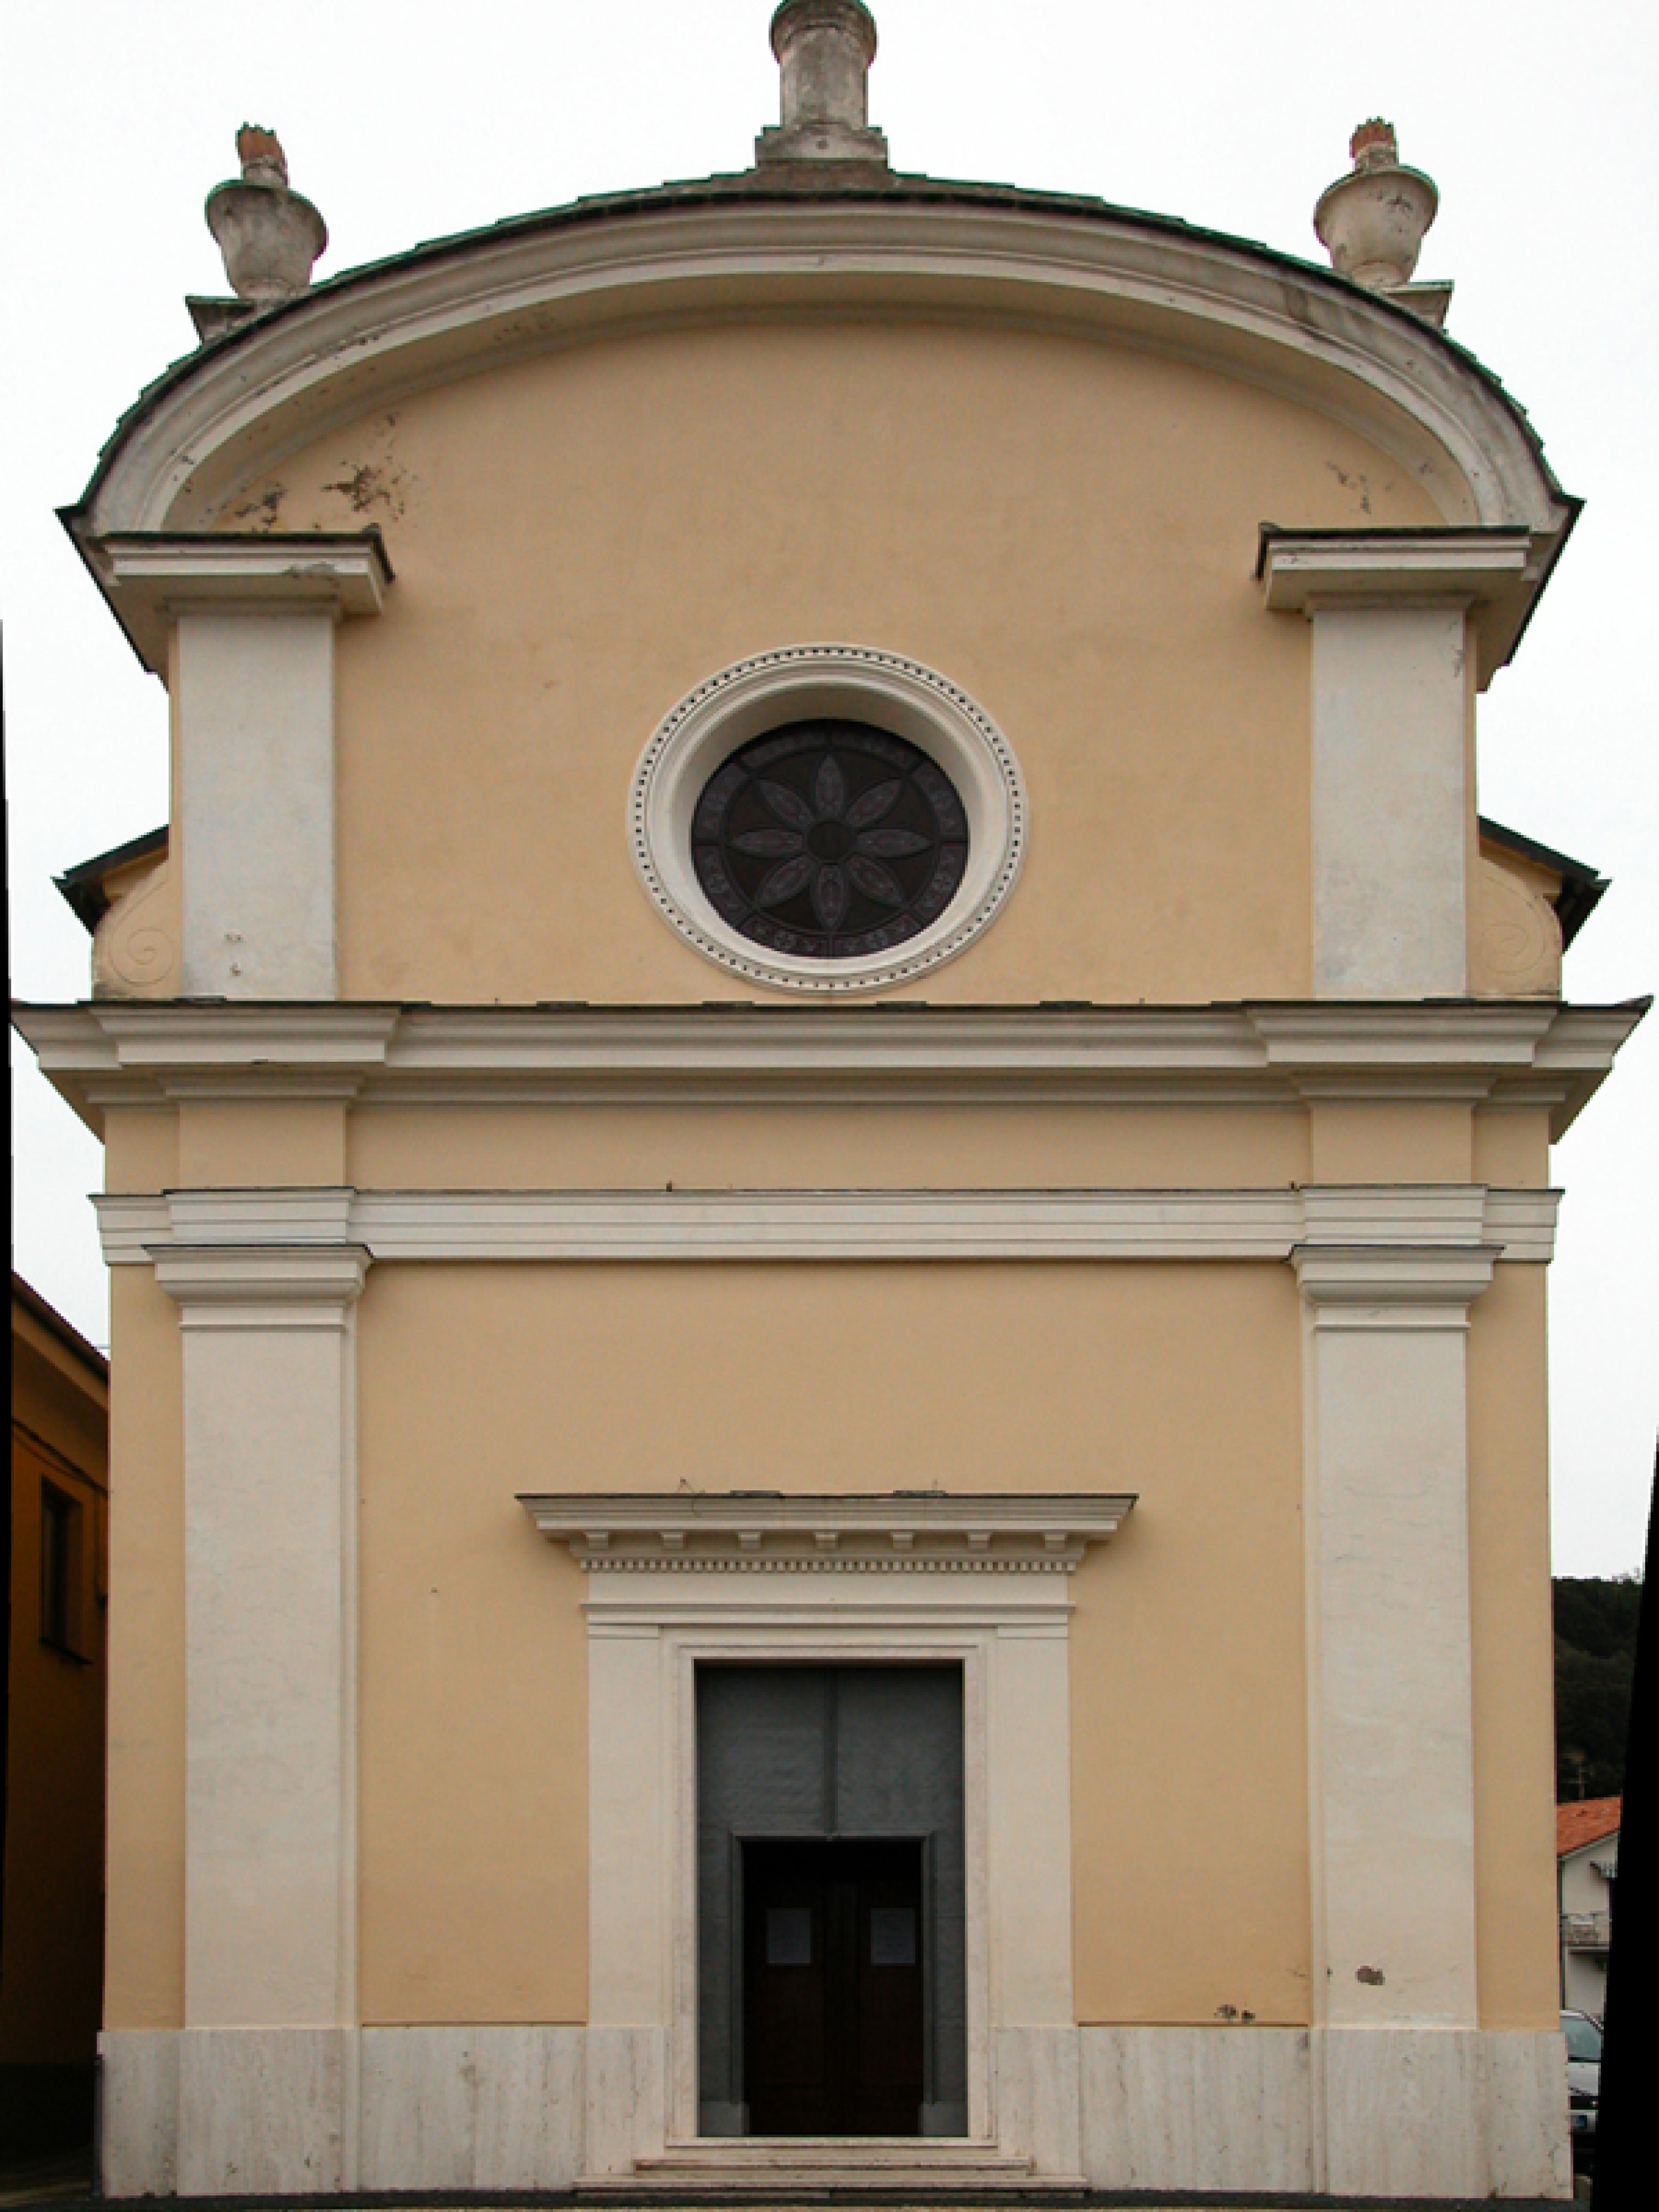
(785, 2167)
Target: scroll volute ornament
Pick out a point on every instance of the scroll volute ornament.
(1516, 949)
(135, 947)
(270, 235)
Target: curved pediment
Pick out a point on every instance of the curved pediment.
(749, 249)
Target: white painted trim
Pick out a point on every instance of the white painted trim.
(1501, 1052)
(353, 346)
(648, 1630)
(253, 712)
(151, 577)
(1392, 1287)
(268, 1287)
(1390, 1714)
(271, 1671)
(726, 1532)
(1389, 739)
(1395, 1213)
(571, 1225)
(848, 682)
(1523, 1223)
(1494, 573)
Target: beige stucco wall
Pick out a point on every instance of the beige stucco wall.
(144, 1957)
(473, 1746)
(1188, 1774)
(815, 1147)
(1066, 529)
(477, 1384)
(1182, 1384)
(1513, 1648)
(240, 1143)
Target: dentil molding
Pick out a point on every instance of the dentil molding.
(934, 1531)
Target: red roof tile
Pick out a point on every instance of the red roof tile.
(1586, 1822)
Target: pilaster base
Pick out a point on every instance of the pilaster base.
(1433, 2113)
(1354, 2113)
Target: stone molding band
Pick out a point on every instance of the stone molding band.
(1489, 1052)
(203, 1241)
(931, 1531)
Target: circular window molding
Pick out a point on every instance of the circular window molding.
(830, 682)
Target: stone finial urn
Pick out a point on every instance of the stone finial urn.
(1372, 220)
(824, 50)
(269, 235)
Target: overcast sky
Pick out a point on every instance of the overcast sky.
(405, 119)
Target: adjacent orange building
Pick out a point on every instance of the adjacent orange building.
(51, 1729)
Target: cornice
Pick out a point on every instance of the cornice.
(263, 1286)
(113, 1053)
(728, 249)
(1493, 572)
(404, 1227)
(149, 577)
(902, 1531)
(1401, 1286)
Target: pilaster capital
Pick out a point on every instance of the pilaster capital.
(262, 1286)
(1495, 571)
(150, 577)
(1393, 1287)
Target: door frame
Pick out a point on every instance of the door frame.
(973, 1650)
(649, 1626)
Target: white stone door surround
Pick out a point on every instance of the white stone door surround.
(979, 1583)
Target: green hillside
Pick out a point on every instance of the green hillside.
(1595, 1657)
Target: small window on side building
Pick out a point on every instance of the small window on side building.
(60, 1570)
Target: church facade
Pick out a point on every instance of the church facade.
(829, 1191)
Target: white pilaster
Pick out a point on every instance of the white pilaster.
(1390, 802)
(242, 627)
(1390, 1716)
(270, 1634)
(254, 702)
(1028, 1783)
(630, 1842)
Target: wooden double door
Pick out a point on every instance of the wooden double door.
(834, 1987)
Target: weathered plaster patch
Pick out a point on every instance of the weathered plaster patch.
(373, 480)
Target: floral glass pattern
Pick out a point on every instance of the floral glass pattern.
(830, 840)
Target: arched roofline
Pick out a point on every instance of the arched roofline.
(757, 246)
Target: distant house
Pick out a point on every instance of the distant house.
(51, 1729)
(1587, 1858)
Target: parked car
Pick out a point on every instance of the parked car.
(1584, 2037)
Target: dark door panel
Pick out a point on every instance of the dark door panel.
(833, 1985)
(831, 1762)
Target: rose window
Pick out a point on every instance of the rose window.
(830, 840)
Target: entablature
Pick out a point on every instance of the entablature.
(921, 1530)
(1536, 1054)
(183, 1231)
